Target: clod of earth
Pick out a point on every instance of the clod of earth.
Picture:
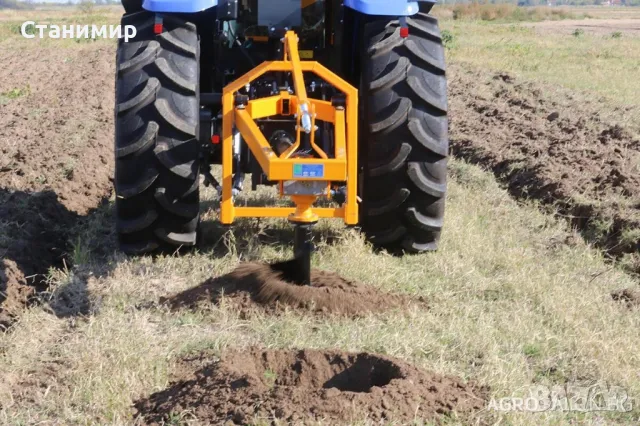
(303, 385)
(14, 292)
(253, 285)
(628, 296)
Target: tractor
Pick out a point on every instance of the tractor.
(339, 100)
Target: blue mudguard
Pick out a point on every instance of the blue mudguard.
(385, 7)
(178, 6)
(368, 7)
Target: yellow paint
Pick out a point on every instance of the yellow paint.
(322, 212)
(343, 167)
(303, 212)
(226, 204)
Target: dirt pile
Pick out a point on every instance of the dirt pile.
(553, 148)
(14, 292)
(258, 286)
(299, 385)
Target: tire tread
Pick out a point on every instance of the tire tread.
(156, 148)
(404, 123)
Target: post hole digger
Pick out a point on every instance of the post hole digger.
(268, 88)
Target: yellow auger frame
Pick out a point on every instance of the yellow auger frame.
(286, 167)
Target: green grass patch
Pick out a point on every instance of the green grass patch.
(16, 93)
(582, 61)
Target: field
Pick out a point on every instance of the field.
(535, 283)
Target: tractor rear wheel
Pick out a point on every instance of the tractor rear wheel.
(156, 146)
(132, 6)
(403, 156)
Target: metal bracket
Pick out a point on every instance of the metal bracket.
(240, 113)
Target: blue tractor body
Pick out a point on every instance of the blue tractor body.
(178, 6)
(367, 7)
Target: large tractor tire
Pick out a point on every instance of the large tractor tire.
(156, 147)
(132, 6)
(403, 134)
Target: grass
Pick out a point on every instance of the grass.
(15, 93)
(509, 307)
(504, 12)
(598, 65)
(616, 34)
(68, 169)
(599, 12)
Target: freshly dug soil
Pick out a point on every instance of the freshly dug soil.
(552, 147)
(56, 129)
(258, 286)
(56, 142)
(306, 385)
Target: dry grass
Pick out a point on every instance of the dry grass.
(603, 12)
(503, 12)
(598, 65)
(510, 305)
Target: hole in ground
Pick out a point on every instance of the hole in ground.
(305, 386)
(325, 370)
(365, 372)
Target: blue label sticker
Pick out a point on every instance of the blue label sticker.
(308, 170)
